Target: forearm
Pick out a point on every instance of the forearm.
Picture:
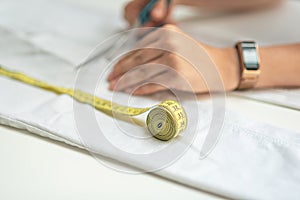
(279, 66)
(229, 5)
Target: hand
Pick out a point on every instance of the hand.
(160, 13)
(167, 58)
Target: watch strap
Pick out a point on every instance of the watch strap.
(249, 64)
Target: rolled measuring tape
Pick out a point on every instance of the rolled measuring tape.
(164, 121)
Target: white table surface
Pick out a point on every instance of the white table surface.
(33, 167)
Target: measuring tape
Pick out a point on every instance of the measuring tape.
(164, 121)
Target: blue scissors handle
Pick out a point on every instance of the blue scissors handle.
(144, 15)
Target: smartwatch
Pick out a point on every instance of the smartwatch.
(249, 64)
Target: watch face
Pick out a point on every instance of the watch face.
(250, 56)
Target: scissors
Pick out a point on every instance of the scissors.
(144, 17)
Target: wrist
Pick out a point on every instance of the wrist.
(227, 63)
(269, 77)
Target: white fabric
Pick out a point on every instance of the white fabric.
(252, 160)
(267, 27)
(282, 97)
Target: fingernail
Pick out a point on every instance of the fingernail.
(157, 13)
(159, 10)
(113, 83)
(110, 87)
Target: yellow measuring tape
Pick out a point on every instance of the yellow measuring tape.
(164, 121)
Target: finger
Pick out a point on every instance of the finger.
(150, 37)
(143, 73)
(159, 11)
(172, 27)
(132, 10)
(151, 24)
(121, 66)
(130, 14)
(143, 32)
(147, 89)
(159, 82)
(136, 76)
(155, 24)
(168, 75)
(174, 72)
(136, 58)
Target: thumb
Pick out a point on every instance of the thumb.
(159, 11)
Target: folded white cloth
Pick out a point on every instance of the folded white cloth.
(252, 160)
(282, 97)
